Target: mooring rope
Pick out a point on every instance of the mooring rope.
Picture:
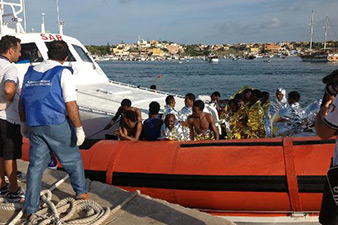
(68, 207)
(50, 214)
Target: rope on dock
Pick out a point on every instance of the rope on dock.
(50, 213)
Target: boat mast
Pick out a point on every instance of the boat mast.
(325, 31)
(311, 30)
(24, 15)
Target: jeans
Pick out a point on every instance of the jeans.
(60, 139)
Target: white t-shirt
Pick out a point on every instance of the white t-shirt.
(9, 73)
(67, 81)
(331, 120)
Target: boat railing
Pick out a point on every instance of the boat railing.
(145, 89)
(92, 95)
(97, 111)
(16, 9)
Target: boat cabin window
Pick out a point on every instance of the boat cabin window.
(30, 53)
(70, 55)
(83, 55)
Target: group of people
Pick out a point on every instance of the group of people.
(190, 123)
(41, 106)
(248, 114)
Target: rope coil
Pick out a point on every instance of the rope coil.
(68, 207)
(66, 210)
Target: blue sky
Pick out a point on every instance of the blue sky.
(186, 21)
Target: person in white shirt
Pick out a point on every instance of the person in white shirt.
(10, 137)
(326, 126)
(169, 108)
(171, 129)
(184, 113)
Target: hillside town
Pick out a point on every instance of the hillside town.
(152, 50)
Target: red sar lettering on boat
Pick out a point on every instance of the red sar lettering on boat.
(51, 37)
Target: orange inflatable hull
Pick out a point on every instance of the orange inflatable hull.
(277, 176)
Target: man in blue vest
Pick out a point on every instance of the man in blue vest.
(48, 106)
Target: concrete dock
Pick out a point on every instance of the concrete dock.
(140, 210)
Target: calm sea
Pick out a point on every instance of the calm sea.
(227, 76)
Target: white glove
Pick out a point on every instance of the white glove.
(80, 135)
(24, 129)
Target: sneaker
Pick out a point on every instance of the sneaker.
(53, 165)
(4, 190)
(84, 196)
(18, 196)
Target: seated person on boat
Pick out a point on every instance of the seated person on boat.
(171, 129)
(279, 103)
(215, 102)
(246, 95)
(185, 112)
(265, 103)
(255, 116)
(131, 127)
(237, 120)
(125, 106)
(290, 120)
(169, 108)
(201, 124)
(152, 125)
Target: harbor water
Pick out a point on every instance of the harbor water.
(227, 76)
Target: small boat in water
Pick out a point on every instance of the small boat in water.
(213, 58)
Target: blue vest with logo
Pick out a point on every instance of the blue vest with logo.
(42, 98)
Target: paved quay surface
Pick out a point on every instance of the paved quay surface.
(140, 210)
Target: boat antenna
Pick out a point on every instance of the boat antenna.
(311, 30)
(43, 29)
(24, 15)
(325, 31)
(1, 16)
(59, 22)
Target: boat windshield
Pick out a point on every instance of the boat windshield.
(70, 55)
(83, 55)
(30, 53)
